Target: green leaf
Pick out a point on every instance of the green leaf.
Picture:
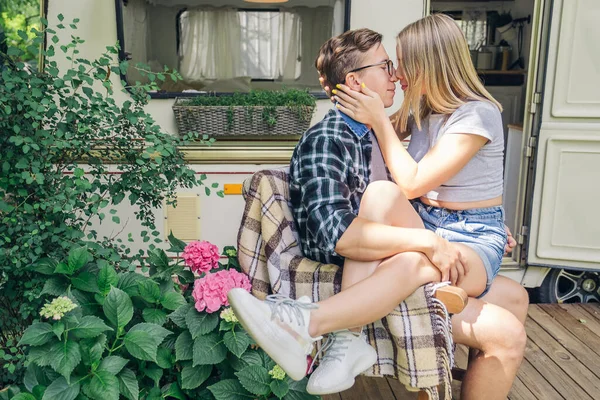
(186, 276)
(164, 358)
(298, 390)
(128, 282)
(192, 377)
(90, 326)
(279, 388)
(64, 357)
(178, 316)
(154, 373)
(37, 334)
(58, 329)
(149, 291)
(112, 364)
(172, 300)
(34, 376)
(78, 258)
(143, 339)
(200, 323)
(62, 268)
(209, 350)
(92, 349)
(55, 286)
(107, 277)
(255, 379)
(23, 396)
(118, 308)
(230, 389)
(44, 266)
(104, 385)
(40, 355)
(253, 357)
(174, 391)
(155, 316)
(184, 346)
(86, 282)
(237, 342)
(177, 245)
(159, 259)
(61, 390)
(128, 384)
(38, 391)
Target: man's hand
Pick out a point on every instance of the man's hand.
(510, 242)
(448, 259)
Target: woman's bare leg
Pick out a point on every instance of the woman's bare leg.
(509, 295)
(384, 202)
(500, 336)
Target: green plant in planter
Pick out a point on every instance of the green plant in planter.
(299, 101)
(113, 334)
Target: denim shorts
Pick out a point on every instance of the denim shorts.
(482, 229)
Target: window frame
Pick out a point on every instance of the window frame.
(171, 95)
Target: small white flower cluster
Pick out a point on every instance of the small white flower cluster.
(57, 308)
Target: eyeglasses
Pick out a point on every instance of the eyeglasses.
(389, 63)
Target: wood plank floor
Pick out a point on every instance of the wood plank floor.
(562, 360)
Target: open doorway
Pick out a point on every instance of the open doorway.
(499, 38)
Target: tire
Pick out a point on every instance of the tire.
(568, 286)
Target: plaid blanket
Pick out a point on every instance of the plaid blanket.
(413, 343)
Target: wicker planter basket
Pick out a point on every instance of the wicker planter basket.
(238, 120)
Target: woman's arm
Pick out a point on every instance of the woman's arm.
(450, 154)
(444, 160)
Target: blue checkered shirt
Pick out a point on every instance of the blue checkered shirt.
(329, 172)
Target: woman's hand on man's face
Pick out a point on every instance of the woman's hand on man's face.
(363, 106)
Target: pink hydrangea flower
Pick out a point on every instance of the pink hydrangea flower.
(210, 291)
(201, 256)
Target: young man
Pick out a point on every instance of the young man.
(340, 221)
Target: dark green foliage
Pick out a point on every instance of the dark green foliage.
(58, 127)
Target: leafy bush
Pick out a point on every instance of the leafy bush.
(59, 129)
(143, 338)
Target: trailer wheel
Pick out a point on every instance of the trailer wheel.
(567, 286)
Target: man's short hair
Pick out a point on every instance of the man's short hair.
(343, 53)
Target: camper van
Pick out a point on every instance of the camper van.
(539, 58)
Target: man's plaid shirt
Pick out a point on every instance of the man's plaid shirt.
(329, 172)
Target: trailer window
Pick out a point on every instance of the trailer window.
(231, 45)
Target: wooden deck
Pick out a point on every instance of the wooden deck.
(562, 359)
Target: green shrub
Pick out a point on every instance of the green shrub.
(142, 338)
(58, 128)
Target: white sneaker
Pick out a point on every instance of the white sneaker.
(346, 356)
(279, 325)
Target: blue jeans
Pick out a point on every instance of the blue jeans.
(482, 229)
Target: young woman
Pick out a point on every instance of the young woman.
(453, 169)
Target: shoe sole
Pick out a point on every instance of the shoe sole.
(454, 298)
(255, 328)
(361, 366)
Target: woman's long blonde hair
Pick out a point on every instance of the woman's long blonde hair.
(435, 56)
